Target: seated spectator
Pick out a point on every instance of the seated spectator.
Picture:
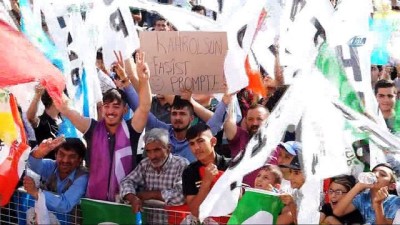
(158, 177)
(338, 188)
(297, 179)
(199, 177)
(376, 205)
(269, 178)
(64, 180)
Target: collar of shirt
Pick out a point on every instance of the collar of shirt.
(167, 163)
(71, 176)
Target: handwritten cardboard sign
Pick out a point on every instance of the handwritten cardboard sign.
(185, 60)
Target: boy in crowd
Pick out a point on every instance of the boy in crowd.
(269, 178)
(376, 205)
(297, 178)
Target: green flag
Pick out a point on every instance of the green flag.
(257, 207)
(96, 211)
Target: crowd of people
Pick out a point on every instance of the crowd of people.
(189, 141)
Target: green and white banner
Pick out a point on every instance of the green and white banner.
(257, 207)
(96, 211)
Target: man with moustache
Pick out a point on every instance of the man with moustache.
(239, 136)
(63, 180)
(181, 115)
(158, 177)
(112, 141)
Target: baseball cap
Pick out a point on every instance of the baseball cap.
(294, 164)
(134, 10)
(293, 147)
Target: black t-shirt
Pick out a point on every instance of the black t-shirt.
(47, 128)
(133, 137)
(191, 179)
(352, 218)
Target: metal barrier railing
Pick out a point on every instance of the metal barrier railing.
(15, 213)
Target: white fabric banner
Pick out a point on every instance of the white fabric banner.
(302, 32)
(192, 21)
(223, 197)
(119, 33)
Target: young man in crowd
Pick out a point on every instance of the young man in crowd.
(64, 180)
(199, 177)
(373, 201)
(112, 141)
(158, 177)
(385, 93)
(182, 114)
(160, 24)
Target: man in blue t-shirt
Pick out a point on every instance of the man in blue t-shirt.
(376, 205)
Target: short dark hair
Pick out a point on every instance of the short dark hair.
(180, 103)
(383, 84)
(46, 100)
(387, 165)
(198, 8)
(73, 144)
(196, 130)
(115, 94)
(159, 18)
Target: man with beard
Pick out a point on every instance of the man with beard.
(239, 136)
(182, 115)
(158, 177)
(112, 141)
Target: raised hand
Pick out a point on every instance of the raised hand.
(186, 94)
(119, 66)
(142, 68)
(62, 106)
(39, 90)
(47, 146)
(30, 186)
(210, 172)
(287, 199)
(227, 98)
(381, 195)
